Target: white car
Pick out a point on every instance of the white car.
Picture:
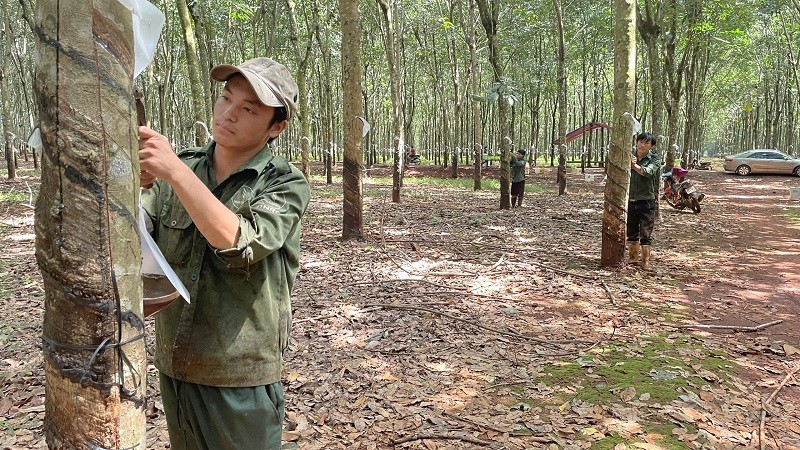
(762, 161)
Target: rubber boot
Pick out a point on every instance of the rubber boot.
(519, 200)
(513, 201)
(646, 257)
(633, 252)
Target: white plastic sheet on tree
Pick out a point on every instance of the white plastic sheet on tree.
(148, 21)
(153, 261)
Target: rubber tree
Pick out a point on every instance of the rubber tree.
(5, 89)
(561, 69)
(673, 72)
(618, 163)
(193, 66)
(470, 38)
(352, 182)
(87, 244)
(649, 21)
(489, 11)
(392, 31)
(302, 57)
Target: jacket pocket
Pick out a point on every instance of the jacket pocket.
(176, 234)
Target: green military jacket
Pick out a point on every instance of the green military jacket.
(517, 169)
(642, 187)
(236, 327)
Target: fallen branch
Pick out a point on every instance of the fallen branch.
(730, 327)
(404, 280)
(761, 444)
(539, 439)
(383, 236)
(472, 422)
(419, 437)
(608, 291)
(452, 274)
(469, 294)
(497, 264)
(406, 241)
(595, 344)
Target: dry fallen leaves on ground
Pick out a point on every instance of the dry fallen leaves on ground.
(437, 330)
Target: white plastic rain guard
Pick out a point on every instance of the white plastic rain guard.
(153, 261)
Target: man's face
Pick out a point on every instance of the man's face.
(241, 121)
(643, 146)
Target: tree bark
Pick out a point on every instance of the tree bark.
(454, 129)
(673, 74)
(619, 156)
(489, 13)
(301, 57)
(87, 246)
(193, 68)
(561, 63)
(474, 75)
(352, 183)
(5, 89)
(204, 33)
(11, 166)
(393, 60)
(649, 24)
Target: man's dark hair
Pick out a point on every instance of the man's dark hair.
(280, 115)
(646, 137)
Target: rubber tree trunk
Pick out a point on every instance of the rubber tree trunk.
(302, 56)
(619, 156)
(87, 245)
(352, 183)
(561, 69)
(11, 165)
(193, 66)
(394, 60)
(477, 137)
(489, 11)
(5, 94)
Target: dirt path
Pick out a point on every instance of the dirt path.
(749, 269)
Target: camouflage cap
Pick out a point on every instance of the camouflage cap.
(271, 81)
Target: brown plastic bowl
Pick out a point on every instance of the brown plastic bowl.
(157, 292)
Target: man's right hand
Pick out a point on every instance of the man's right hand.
(218, 224)
(157, 159)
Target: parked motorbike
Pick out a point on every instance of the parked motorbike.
(412, 159)
(701, 165)
(680, 192)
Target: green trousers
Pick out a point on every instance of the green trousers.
(215, 418)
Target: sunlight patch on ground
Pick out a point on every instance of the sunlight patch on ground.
(18, 221)
(439, 367)
(745, 197)
(345, 338)
(412, 270)
(498, 228)
(22, 237)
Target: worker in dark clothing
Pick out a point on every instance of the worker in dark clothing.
(517, 164)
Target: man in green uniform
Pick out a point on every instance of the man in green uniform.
(227, 218)
(645, 167)
(517, 164)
